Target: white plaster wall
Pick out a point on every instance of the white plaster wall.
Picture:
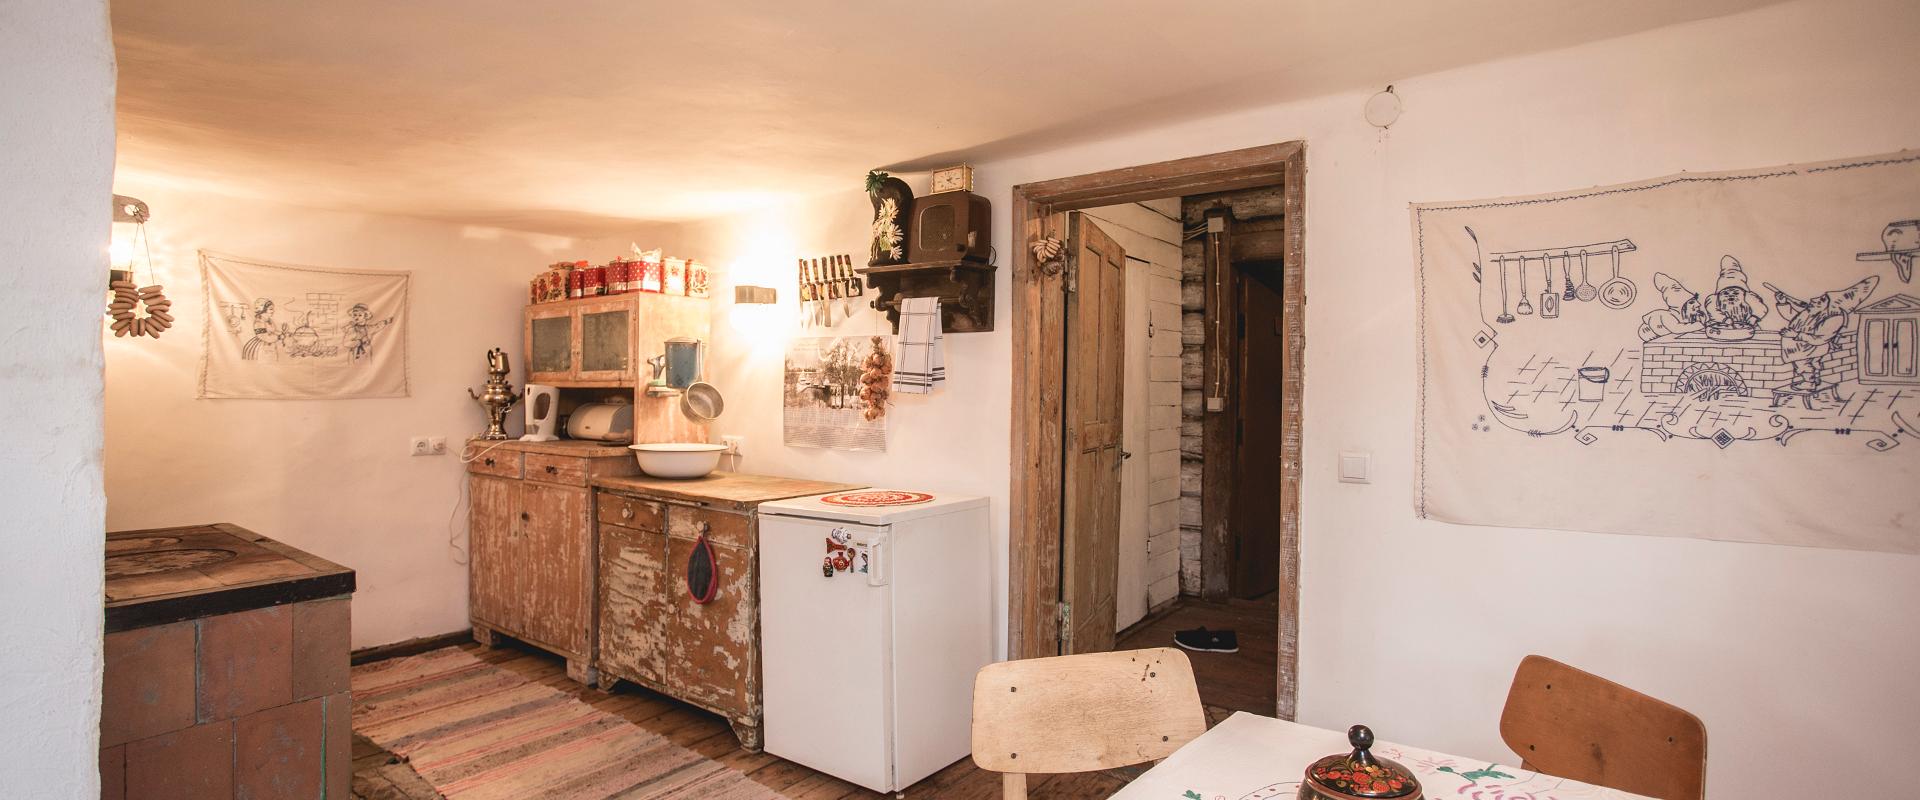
(1791, 655)
(332, 477)
(56, 171)
(953, 441)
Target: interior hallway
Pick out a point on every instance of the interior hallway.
(1229, 682)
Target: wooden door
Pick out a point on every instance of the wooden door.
(636, 603)
(711, 647)
(1095, 377)
(551, 566)
(1258, 438)
(492, 517)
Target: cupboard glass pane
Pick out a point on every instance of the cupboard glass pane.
(552, 345)
(604, 342)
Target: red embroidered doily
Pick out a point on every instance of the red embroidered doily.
(876, 498)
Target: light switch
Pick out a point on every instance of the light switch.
(1355, 468)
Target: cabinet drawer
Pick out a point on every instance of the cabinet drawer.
(569, 470)
(500, 463)
(720, 527)
(713, 649)
(630, 512)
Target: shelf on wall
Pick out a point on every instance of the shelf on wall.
(965, 289)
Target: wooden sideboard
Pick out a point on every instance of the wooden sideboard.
(530, 526)
(651, 632)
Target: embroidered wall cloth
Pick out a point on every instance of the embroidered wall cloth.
(1718, 355)
(278, 331)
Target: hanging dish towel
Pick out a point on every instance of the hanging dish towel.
(922, 366)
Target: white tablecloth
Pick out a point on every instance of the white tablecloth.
(1251, 757)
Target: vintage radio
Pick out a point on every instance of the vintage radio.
(948, 226)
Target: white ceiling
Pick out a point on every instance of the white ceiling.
(581, 116)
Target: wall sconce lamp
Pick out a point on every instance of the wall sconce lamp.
(130, 217)
(764, 295)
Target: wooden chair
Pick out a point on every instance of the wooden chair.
(1082, 713)
(1574, 724)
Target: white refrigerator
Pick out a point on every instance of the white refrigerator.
(874, 618)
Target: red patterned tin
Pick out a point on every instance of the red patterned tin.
(647, 276)
(619, 276)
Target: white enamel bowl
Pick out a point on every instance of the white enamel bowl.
(678, 459)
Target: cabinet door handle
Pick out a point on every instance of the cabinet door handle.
(626, 512)
(552, 470)
(489, 462)
(525, 517)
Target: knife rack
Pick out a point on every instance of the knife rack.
(965, 289)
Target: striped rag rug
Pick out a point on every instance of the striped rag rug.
(478, 732)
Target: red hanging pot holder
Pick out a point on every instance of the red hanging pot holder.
(703, 574)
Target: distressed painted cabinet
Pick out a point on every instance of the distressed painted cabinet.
(605, 341)
(651, 631)
(530, 526)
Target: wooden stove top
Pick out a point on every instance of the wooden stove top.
(162, 575)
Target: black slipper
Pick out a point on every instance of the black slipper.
(1206, 641)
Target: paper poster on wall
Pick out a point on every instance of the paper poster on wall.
(1717, 355)
(821, 397)
(282, 332)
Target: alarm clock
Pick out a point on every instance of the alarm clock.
(953, 179)
(948, 226)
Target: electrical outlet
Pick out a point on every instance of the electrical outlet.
(437, 444)
(733, 443)
(419, 446)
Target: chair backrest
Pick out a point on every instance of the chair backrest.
(1084, 712)
(1577, 725)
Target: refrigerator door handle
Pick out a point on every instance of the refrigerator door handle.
(877, 560)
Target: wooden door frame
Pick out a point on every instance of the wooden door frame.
(1034, 524)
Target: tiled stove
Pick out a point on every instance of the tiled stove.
(226, 667)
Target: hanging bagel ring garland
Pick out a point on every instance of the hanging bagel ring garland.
(139, 311)
(136, 310)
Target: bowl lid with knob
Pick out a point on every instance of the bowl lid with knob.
(1358, 774)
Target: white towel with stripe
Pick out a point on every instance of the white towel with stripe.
(921, 366)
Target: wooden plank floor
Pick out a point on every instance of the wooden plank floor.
(1242, 681)
(378, 775)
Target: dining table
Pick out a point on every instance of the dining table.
(1253, 757)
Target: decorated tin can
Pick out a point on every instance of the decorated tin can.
(576, 283)
(697, 279)
(676, 277)
(1358, 775)
(619, 276)
(647, 275)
